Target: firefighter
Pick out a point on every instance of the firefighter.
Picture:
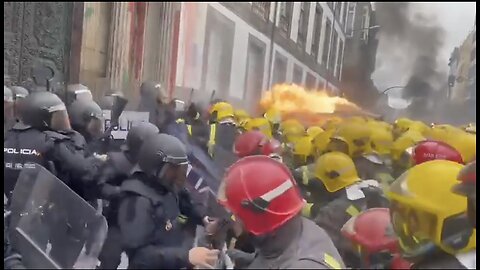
(400, 126)
(261, 124)
(321, 141)
(428, 218)
(373, 240)
(262, 194)
(241, 118)
(223, 129)
(274, 117)
(402, 150)
(302, 151)
(378, 163)
(432, 150)
(347, 194)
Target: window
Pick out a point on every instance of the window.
(262, 9)
(326, 43)
(333, 52)
(285, 17)
(297, 74)
(365, 23)
(279, 69)
(340, 59)
(344, 16)
(350, 17)
(337, 9)
(303, 24)
(317, 30)
(310, 81)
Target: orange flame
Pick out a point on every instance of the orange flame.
(312, 107)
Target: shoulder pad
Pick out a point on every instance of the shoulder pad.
(57, 136)
(139, 188)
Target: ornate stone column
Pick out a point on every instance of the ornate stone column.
(118, 59)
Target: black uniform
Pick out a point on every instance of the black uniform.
(148, 218)
(150, 210)
(116, 169)
(34, 141)
(25, 145)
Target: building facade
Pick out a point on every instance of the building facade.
(236, 49)
(472, 76)
(360, 54)
(460, 64)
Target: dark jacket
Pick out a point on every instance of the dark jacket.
(149, 222)
(297, 244)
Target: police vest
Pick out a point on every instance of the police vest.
(165, 214)
(22, 148)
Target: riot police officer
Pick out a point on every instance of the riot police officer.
(86, 118)
(149, 210)
(35, 140)
(117, 169)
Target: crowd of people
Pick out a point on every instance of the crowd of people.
(352, 192)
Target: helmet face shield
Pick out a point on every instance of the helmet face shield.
(95, 127)
(59, 120)
(414, 230)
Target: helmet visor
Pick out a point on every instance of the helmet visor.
(95, 127)
(60, 120)
(415, 229)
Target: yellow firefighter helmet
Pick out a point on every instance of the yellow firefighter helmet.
(260, 124)
(335, 170)
(424, 210)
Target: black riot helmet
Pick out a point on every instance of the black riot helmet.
(136, 135)
(45, 110)
(164, 157)
(86, 117)
(106, 102)
(77, 92)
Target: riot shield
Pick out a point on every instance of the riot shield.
(52, 226)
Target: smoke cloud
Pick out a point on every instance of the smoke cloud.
(409, 47)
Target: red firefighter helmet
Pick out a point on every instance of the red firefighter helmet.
(261, 192)
(255, 143)
(432, 150)
(272, 147)
(372, 234)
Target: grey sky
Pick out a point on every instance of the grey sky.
(457, 19)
